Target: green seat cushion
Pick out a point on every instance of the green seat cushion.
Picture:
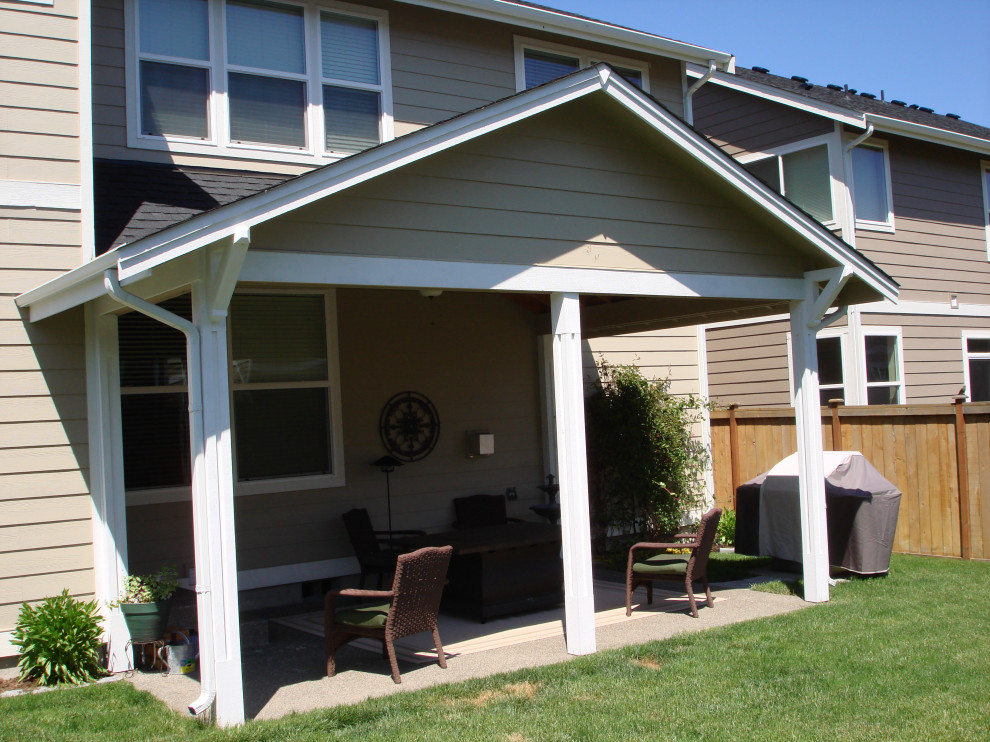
(366, 616)
(662, 564)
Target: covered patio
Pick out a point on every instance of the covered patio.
(473, 259)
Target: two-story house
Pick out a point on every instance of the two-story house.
(908, 187)
(235, 230)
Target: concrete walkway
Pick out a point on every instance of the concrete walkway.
(287, 675)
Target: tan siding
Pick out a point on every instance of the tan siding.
(742, 123)
(17, 590)
(665, 354)
(473, 355)
(579, 197)
(747, 365)
(939, 246)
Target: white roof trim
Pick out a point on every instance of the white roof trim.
(928, 133)
(859, 120)
(793, 100)
(557, 21)
(135, 260)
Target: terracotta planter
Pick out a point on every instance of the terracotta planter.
(146, 622)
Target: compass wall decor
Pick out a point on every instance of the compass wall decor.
(409, 426)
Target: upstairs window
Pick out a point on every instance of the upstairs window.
(871, 187)
(538, 62)
(802, 175)
(986, 204)
(250, 77)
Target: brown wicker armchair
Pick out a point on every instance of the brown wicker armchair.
(410, 607)
(373, 557)
(674, 566)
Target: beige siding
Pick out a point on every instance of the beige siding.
(939, 246)
(662, 354)
(442, 65)
(576, 196)
(747, 364)
(473, 355)
(45, 509)
(741, 123)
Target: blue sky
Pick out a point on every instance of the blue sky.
(935, 53)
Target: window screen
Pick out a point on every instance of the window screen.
(870, 184)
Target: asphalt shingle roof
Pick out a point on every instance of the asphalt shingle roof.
(135, 199)
(854, 101)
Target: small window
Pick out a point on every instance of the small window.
(539, 62)
(977, 358)
(986, 204)
(802, 176)
(831, 383)
(352, 94)
(883, 379)
(871, 187)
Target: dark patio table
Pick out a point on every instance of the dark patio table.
(500, 570)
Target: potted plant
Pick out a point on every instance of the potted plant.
(145, 601)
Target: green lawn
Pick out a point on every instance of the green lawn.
(906, 657)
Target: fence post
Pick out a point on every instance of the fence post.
(836, 425)
(733, 452)
(962, 470)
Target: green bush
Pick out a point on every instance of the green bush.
(150, 588)
(59, 641)
(727, 528)
(645, 467)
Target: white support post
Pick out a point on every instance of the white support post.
(811, 472)
(106, 477)
(575, 522)
(217, 513)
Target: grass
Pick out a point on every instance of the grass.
(897, 658)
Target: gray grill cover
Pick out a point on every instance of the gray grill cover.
(861, 510)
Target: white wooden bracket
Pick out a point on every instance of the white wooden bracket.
(223, 278)
(835, 279)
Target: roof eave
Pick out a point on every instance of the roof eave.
(553, 21)
(928, 133)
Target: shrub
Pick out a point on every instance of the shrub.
(59, 641)
(149, 588)
(727, 528)
(646, 469)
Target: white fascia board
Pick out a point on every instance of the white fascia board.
(585, 29)
(349, 270)
(678, 133)
(793, 100)
(929, 133)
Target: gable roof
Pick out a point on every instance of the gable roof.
(854, 108)
(133, 260)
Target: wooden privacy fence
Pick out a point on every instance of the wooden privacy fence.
(938, 456)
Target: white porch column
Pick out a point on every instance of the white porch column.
(811, 472)
(106, 476)
(213, 508)
(575, 522)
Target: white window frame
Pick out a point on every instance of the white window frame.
(883, 331)
(834, 166)
(854, 362)
(336, 478)
(985, 179)
(585, 59)
(290, 484)
(967, 356)
(867, 224)
(218, 144)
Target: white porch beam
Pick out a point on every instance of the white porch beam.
(349, 270)
(575, 521)
(811, 473)
(106, 477)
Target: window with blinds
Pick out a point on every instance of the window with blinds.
(252, 82)
(281, 382)
(802, 176)
(871, 186)
(540, 63)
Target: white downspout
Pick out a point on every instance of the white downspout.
(689, 95)
(204, 604)
(860, 139)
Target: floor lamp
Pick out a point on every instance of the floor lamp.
(387, 465)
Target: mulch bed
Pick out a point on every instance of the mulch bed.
(7, 684)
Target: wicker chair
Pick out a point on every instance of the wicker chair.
(673, 566)
(367, 544)
(411, 607)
